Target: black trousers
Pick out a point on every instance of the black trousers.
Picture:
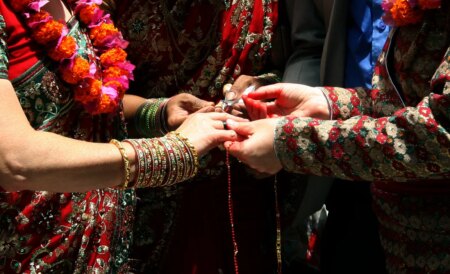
(351, 242)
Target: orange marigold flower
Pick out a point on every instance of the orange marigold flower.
(117, 86)
(20, 5)
(113, 72)
(48, 32)
(88, 93)
(106, 105)
(86, 13)
(99, 33)
(404, 14)
(65, 49)
(112, 56)
(38, 16)
(78, 71)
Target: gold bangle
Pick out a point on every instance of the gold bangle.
(192, 150)
(126, 162)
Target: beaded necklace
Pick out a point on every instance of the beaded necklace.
(231, 218)
(98, 91)
(406, 12)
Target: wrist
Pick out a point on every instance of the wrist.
(132, 161)
(126, 164)
(150, 118)
(328, 101)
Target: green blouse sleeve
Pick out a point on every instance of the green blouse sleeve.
(3, 50)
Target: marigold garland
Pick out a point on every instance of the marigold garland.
(406, 12)
(99, 92)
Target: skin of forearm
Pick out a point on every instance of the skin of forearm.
(131, 103)
(47, 161)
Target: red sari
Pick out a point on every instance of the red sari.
(197, 47)
(44, 232)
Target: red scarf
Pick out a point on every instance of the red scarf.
(240, 41)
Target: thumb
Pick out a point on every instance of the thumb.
(198, 103)
(205, 103)
(241, 128)
(206, 109)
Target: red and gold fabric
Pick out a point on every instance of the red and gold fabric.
(197, 47)
(395, 135)
(43, 232)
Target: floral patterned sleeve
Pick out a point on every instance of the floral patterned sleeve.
(3, 50)
(412, 143)
(346, 103)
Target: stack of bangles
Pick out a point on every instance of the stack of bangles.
(150, 120)
(160, 161)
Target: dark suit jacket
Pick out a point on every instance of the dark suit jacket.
(318, 29)
(317, 34)
(318, 39)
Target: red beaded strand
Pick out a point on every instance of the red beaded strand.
(231, 214)
(278, 223)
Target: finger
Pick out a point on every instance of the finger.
(256, 109)
(260, 109)
(235, 148)
(249, 106)
(237, 113)
(240, 110)
(273, 110)
(242, 82)
(266, 92)
(222, 136)
(242, 128)
(218, 124)
(223, 116)
(206, 109)
(198, 103)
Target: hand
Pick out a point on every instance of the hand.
(255, 145)
(243, 85)
(206, 130)
(290, 99)
(181, 105)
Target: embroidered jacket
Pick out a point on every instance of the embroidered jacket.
(395, 135)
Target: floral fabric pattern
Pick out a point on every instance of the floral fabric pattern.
(395, 135)
(195, 51)
(63, 232)
(196, 47)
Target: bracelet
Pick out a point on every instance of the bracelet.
(163, 121)
(126, 163)
(148, 119)
(191, 149)
(163, 161)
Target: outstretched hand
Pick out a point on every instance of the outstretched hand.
(255, 144)
(286, 99)
(180, 106)
(207, 130)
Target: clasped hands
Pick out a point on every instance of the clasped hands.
(249, 139)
